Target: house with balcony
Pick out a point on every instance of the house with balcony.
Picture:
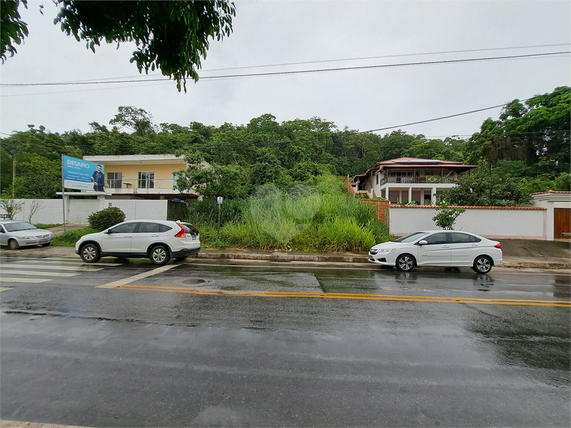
(404, 180)
(142, 176)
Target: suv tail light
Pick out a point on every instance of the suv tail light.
(498, 245)
(181, 233)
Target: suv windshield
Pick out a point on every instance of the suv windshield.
(16, 227)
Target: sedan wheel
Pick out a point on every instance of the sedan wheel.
(13, 244)
(482, 264)
(90, 253)
(405, 262)
(160, 255)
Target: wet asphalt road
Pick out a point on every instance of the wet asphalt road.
(214, 345)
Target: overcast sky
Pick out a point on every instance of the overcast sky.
(274, 36)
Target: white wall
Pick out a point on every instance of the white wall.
(550, 201)
(494, 223)
(135, 208)
(78, 210)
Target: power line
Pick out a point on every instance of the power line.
(352, 59)
(434, 119)
(388, 56)
(282, 73)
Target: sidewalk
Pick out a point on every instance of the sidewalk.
(304, 259)
(518, 254)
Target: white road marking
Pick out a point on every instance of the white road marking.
(138, 277)
(75, 268)
(29, 280)
(9, 271)
(74, 263)
(75, 260)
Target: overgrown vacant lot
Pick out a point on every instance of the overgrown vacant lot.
(315, 216)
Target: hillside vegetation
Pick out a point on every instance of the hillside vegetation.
(282, 181)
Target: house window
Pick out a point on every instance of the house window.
(146, 180)
(377, 180)
(114, 180)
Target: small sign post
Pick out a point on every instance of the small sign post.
(219, 199)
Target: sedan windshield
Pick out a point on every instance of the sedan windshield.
(412, 237)
(16, 227)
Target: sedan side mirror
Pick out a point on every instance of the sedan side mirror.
(422, 242)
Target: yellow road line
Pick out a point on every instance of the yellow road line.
(379, 297)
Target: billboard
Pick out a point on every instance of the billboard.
(83, 175)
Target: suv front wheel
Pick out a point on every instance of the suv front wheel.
(90, 253)
(160, 255)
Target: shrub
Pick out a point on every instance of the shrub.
(106, 218)
(11, 207)
(446, 217)
(69, 238)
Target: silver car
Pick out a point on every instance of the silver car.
(16, 234)
(446, 248)
(158, 240)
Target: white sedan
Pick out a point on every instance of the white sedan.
(446, 248)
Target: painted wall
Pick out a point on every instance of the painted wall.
(131, 172)
(550, 201)
(78, 210)
(133, 208)
(490, 222)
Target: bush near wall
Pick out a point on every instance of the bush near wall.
(106, 218)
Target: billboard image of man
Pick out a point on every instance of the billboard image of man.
(98, 180)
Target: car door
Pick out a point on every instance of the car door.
(436, 251)
(463, 248)
(117, 240)
(147, 233)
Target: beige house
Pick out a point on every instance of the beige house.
(142, 176)
(404, 180)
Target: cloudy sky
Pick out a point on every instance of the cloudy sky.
(396, 37)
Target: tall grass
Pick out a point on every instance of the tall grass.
(320, 217)
(69, 238)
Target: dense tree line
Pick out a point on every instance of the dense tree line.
(527, 149)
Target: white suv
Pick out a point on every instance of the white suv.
(159, 240)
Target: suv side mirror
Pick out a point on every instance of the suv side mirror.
(422, 242)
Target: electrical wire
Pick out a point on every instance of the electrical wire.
(282, 73)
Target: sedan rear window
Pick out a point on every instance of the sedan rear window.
(458, 237)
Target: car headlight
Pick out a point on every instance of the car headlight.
(386, 250)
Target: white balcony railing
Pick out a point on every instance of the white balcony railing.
(134, 184)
